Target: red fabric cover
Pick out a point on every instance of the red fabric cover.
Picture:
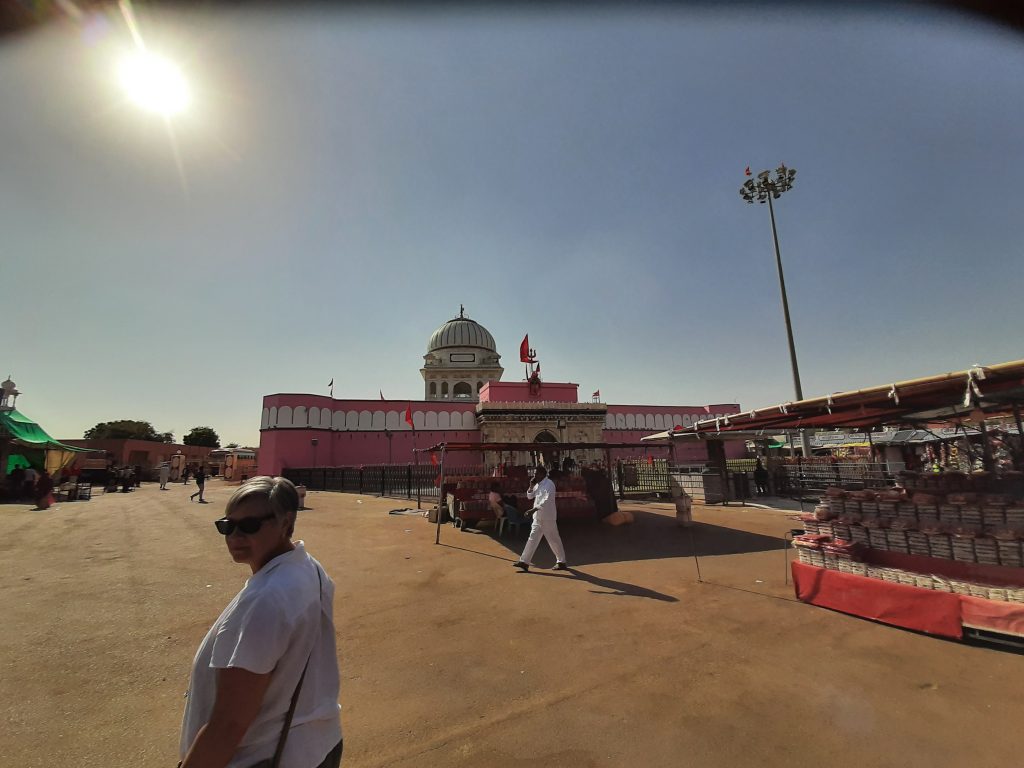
(924, 610)
(996, 575)
(992, 615)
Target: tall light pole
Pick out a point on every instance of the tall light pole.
(762, 189)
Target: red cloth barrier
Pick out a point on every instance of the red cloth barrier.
(924, 610)
(992, 615)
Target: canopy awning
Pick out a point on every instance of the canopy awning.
(950, 397)
(23, 431)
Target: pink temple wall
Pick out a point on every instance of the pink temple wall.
(354, 432)
(519, 392)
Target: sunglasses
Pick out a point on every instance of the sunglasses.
(247, 525)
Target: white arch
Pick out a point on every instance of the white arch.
(299, 416)
(444, 420)
(392, 421)
(469, 420)
(659, 421)
(630, 421)
(314, 417)
(687, 420)
(272, 423)
(430, 422)
(352, 421)
(379, 419)
(284, 416)
(677, 418)
(265, 418)
(609, 421)
(620, 421)
(417, 419)
(365, 420)
(338, 422)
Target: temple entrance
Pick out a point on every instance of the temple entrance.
(549, 457)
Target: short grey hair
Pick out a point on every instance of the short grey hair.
(278, 493)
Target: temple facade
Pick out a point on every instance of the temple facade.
(464, 401)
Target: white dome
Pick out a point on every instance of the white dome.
(461, 332)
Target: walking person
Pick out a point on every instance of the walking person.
(761, 479)
(165, 475)
(265, 681)
(201, 482)
(542, 491)
(43, 492)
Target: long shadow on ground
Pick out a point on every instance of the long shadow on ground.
(650, 537)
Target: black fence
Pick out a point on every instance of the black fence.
(402, 481)
(630, 479)
(815, 477)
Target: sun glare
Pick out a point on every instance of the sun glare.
(154, 83)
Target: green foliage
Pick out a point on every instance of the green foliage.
(231, 445)
(127, 429)
(204, 436)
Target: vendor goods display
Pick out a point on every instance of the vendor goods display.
(963, 525)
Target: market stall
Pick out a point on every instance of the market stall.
(23, 443)
(937, 551)
(580, 497)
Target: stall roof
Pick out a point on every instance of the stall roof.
(26, 432)
(949, 397)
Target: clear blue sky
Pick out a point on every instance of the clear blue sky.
(348, 178)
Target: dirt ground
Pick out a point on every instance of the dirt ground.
(450, 657)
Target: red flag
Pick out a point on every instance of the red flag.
(597, 393)
(650, 459)
(408, 417)
(381, 393)
(707, 409)
(747, 172)
(524, 350)
(433, 459)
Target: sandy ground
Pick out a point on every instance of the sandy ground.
(450, 657)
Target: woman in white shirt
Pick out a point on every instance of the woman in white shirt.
(264, 686)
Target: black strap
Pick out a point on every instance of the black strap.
(279, 752)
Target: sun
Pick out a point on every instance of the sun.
(154, 83)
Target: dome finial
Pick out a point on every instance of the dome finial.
(462, 311)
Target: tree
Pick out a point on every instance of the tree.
(127, 429)
(204, 436)
(231, 445)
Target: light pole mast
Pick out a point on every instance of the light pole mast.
(762, 189)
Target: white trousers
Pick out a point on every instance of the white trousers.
(543, 528)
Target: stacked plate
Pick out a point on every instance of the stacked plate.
(963, 549)
(1010, 553)
(939, 545)
(918, 543)
(970, 516)
(1015, 517)
(897, 541)
(949, 514)
(877, 538)
(859, 535)
(986, 552)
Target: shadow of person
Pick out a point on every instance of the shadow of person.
(612, 587)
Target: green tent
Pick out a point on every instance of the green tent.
(31, 445)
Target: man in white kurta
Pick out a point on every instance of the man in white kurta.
(545, 525)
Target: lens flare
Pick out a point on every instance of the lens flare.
(154, 83)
